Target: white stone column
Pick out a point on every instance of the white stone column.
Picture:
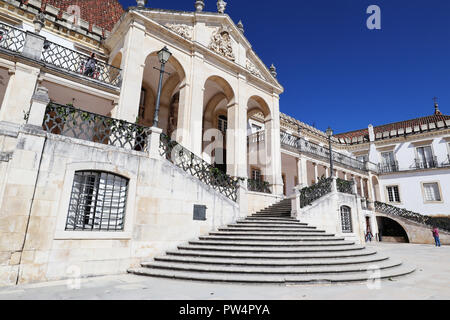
(39, 104)
(327, 174)
(133, 64)
(237, 141)
(302, 171)
(20, 89)
(182, 132)
(153, 142)
(195, 125)
(316, 173)
(273, 156)
(361, 182)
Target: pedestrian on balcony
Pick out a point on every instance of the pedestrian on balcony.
(436, 236)
(90, 66)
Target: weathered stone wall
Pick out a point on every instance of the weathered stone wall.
(258, 201)
(159, 212)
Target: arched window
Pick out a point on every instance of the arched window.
(346, 219)
(97, 202)
(222, 124)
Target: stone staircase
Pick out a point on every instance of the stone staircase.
(272, 247)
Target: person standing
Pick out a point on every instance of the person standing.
(89, 67)
(436, 236)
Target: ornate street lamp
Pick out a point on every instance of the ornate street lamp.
(163, 55)
(330, 134)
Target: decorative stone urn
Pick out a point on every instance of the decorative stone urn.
(221, 6)
(141, 3)
(39, 22)
(199, 5)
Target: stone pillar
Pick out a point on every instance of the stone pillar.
(153, 142)
(182, 132)
(327, 174)
(133, 64)
(316, 173)
(39, 104)
(361, 182)
(33, 46)
(334, 184)
(355, 187)
(243, 199)
(237, 141)
(295, 202)
(194, 129)
(273, 156)
(302, 171)
(20, 89)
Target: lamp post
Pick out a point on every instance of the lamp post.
(330, 134)
(163, 55)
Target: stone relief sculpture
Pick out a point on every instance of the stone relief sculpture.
(221, 43)
(253, 70)
(181, 29)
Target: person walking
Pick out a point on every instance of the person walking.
(89, 67)
(436, 236)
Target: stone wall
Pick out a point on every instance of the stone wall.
(258, 201)
(159, 212)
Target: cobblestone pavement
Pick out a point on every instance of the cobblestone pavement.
(431, 280)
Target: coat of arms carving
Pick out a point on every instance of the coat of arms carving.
(221, 43)
(181, 29)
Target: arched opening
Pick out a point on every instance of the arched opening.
(170, 93)
(376, 189)
(390, 230)
(218, 96)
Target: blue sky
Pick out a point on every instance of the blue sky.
(338, 73)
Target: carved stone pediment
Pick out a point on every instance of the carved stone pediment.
(181, 29)
(221, 43)
(254, 70)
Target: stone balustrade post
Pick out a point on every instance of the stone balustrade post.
(153, 143)
(295, 201)
(334, 185)
(34, 44)
(242, 198)
(39, 103)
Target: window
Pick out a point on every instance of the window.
(393, 194)
(256, 174)
(346, 219)
(222, 124)
(424, 158)
(387, 158)
(97, 202)
(431, 191)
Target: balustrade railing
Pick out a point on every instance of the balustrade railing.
(426, 164)
(79, 124)
(388, 167)
(76, 62)
(344, 186)
(257, 137)
(442, 223)
(258, 186)
(11, 38)
(199, 168)
(314, 149)
(310, 194)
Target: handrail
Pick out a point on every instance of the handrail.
(75, 62)
(310, 194)
(12, 38)
(79, 124)
(199, 168)
(258, 186)
(413, 216)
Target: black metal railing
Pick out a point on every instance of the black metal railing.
(76, 62)
(310, 194)
(11, 38)
(426, 164)
(199, 168)
(258, 186)
(79, 124)
(314, 149)
(442, 223)
(344, 186)
(388, 167)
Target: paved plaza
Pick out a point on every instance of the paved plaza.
(430, 281)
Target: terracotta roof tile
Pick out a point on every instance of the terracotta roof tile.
(102, 13)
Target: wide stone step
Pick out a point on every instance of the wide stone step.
(262, 229)
(284, 270)
(263, 237)
(270, 262)
(274, 255)
(287, 234)
(270, 223)
(273, 243)
(285, 279)
(270, 249)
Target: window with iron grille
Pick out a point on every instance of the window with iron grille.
(393, 194)
(256, 174)
(346, 219)
(97, 202)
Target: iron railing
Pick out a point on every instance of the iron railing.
(442, 223)
(199, 168)
(344, 186)
(308, 147)
(75, 62)
(79, 124)
(11, 38)
(426, 164)
(388, 167)
(258, 186)
(310, 194)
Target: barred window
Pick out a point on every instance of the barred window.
(393, 194)
(222, 124)
(256, 175)
(97, 202)
(346, 219)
